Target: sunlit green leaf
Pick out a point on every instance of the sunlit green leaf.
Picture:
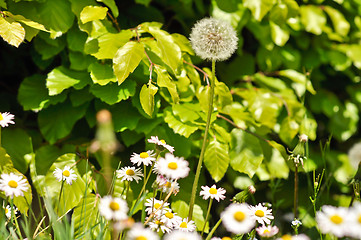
(259, 8)
(101, 74)
(12, 32)
(184, 129)
(57, 81)
(216, 159)
(91, 13)
(147, 98)
(112, 5)
(313, 18)
(339, 22)
(165, 80)
(279, 35)
(113, 93)
(127, 59)
(182, 209)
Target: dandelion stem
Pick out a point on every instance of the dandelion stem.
(208, 123)
(207, 215)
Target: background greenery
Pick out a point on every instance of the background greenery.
(296, 71)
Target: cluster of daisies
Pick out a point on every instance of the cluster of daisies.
(340, 221)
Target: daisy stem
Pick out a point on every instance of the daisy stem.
(13, 217)
(61, 190)
(295, 200)
(208, 123)
(0, 136)
(210, 234)
(207, 215)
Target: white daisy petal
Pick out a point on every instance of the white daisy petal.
(237, 218)
(8, 211)
(181, 235)
(355, 218)
(65, 174)
(172, 167)
(185, 225)
(146, 158)
(6, 119)
(267, 231)
(13, 185)
(334, 220)
(161, 144)
(129, 174)
(138, 232)
(157, 206)
(261, 214)
(212, 192)
(113, 208)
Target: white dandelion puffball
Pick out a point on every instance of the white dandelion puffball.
(213, 39)
(13, 185)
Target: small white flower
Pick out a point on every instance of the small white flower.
(354, 155)
(212, 192)
(158, 224)
(146, 158)
(138, 232)
(129, 174)
(161, 143)
(268, 231)
(154, 205)
(296, 237)
(213, 39)
(172, 167)
(181, 235)
(223, 238)
(170, 219)
(296, 223)
(166, 185)
(66, 174)
(261, 214)
(334, 220)
(185, 225)
(237, 218)
(355, 218)
(8, 211)
(13, 185)
(113, 208)
(6, 119)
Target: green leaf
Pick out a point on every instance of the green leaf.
(85, 216)
(184, 129)
(113, 93)
(57, 121)
(313, 18)
(101, 74)
(33, 94)
(48, 47)
(12, 32)
(182, 209)
(127, 59)
(91, 13)
(246, 154)
(186, 112)
(144, 2)
(223, 95)
(165, 80)
(354, 53)
(170, 51)
(109, 43)
(17, 144)
(279, 35)
(216, 159)
(259, 8)
(298, 78)
(26, 21)
(147, 98)
(125, 116)
(76, 39)
(79, 61)
(45, 156)
(112, 5)
(289, 129)
(340, 24)
(58, 80)
(344, 122)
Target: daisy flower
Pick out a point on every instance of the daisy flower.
(166, 185)
(212, 192)
(153, 205)
(181, 235)
(185, 225)
(170, 219)
(237, 218)
(268, 231)
(8, 211)
(161, 143)
(261, 214)
(6, 119)
(334, 220)
(129, 174)
(172, 167)
(66, 174)
(158, 224)
(223, 238)
(296, 237)
(113, 208)
(355, 217)
(138, 232)
(147, 158)
(13, 185)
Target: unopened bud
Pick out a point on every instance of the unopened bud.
(303, 138)
(104, 116)
(252, 189)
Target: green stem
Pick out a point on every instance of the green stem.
(13, 217)
(210, 234)
(207, 215)
(61, 190)
(0, 136)
(295, 200)
(208, 123)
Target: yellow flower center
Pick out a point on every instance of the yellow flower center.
(168, 184)
(158, 222)
(144, 155)
(359, 218)
(169, 215)
(286, 237)
(141, 238)
(266, 231)
(173, 165)
(66, 173)
(114, 206)
(336, 219)
(226, 238)
(1, 117)
(162, 141)
(129, 172)
(213, 191)
(183, 225)
(259, 213)
(6, 210)
(13, 184)
(239, 216)
(157, 205)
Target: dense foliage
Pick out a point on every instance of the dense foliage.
(296, 71)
